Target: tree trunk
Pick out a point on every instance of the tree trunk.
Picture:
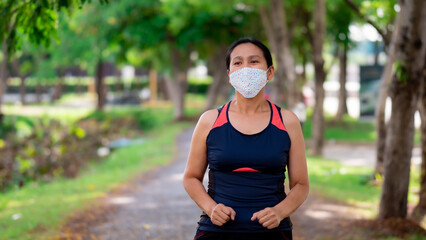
(163, 88)
(78, 86)
(420, 210)
(57, 89)
(278, 37)
(342, 108)
(119, 82)
(216, 65)
(100, 85)
(153, 86)
(3, 76)
(22, 90)
(376, 52)
(16, 69)
(38, 93)
(381, 101)
(404, 92)
(318, 124)
(176, 89)
(178, 84)
(399, 144)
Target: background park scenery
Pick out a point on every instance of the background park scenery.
(98, 97)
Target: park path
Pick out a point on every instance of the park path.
(157, 207)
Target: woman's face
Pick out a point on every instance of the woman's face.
(247, 55)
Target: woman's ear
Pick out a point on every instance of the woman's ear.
(270, 73)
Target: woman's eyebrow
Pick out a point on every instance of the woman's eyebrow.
(237, 57)
(253, 56)
(250, 56)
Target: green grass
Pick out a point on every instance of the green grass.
(47, 205)
(351, 184)
(351, 130)
(66, 115)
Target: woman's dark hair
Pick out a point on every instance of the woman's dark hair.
(265, 50)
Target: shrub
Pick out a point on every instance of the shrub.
(50, 148)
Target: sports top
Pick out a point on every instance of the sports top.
(246, 171)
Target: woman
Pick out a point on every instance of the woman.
(247, 144)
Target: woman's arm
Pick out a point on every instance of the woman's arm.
(298, 177)
(195, 169)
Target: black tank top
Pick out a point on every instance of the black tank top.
(246, 172)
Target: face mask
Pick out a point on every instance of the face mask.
(248, 81)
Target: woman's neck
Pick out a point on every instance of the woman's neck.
(250, 105)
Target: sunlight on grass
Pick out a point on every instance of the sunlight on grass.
(350, 130)
(66, 115)
(352, 184)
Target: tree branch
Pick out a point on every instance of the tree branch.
(268, 27)
(294, 23)
(382, 32)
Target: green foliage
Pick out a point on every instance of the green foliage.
(49, 148)
(380, 12)
(339, 17)
(147, 119)
(9, 124)
(400, 71)
(142, 33)
(32, 19)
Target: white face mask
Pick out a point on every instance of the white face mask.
(248, 81)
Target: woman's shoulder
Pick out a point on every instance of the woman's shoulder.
(207, 119)
(289, 118)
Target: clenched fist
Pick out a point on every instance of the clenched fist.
(268, 217)
(221, 214)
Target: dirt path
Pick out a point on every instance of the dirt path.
(156, 206)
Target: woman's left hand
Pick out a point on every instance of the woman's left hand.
(268, 217)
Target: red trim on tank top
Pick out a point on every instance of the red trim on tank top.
(221, 119)
(198, 235)
(276, 120)
(245, 169)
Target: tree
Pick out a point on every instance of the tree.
(32, 19)
(22, 66)
(279, 39)
(3, 76)
(173, 30)
(216, 67)
(388, 31)
(420, 210)
(318, 123)
(89, 39)
(381, 103)
(339, 17)
(230, 23)
(404, 92)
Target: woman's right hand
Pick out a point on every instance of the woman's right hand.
(221, 214)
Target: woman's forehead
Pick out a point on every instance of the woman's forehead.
(245, 50)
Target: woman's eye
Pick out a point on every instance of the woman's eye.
(254, 61)
(237, 63)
